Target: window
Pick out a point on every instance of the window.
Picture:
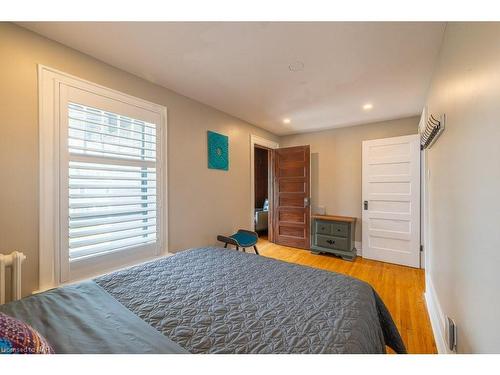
(112, 182)
(109, 193)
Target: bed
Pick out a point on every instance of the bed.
(213, 300)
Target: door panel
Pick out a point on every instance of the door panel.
(291, 218)
(291, 201)
(289, 231)
(391, 189)
(292, 172)
(289, 186)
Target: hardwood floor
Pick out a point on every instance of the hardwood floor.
(400, 287)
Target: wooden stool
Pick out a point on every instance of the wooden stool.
(243, 238)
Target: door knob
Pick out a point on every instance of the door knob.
(306, 202)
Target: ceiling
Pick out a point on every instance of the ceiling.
(243, 68)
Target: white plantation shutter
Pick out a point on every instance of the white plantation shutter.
(103, 174)
(112, 182)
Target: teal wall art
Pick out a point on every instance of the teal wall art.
(218, 151)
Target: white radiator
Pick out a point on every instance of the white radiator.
(13, 260)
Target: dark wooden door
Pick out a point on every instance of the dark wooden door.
(291, 204)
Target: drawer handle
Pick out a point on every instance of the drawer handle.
(331, 242)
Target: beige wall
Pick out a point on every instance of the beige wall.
(336, 163)
(202, 202)
(464, 185)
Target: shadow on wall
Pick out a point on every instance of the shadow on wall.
(314, 182)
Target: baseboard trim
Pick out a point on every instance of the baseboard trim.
(436, 316)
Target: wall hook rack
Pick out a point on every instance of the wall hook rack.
(433, 129)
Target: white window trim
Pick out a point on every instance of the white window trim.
(49, 176)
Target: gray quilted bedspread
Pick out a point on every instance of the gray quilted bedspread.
(213, 300)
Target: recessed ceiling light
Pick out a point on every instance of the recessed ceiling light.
(367, 106)
(286, 121)
(296, 66)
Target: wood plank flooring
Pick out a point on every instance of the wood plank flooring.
(401, 288)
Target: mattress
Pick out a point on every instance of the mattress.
(213, 300)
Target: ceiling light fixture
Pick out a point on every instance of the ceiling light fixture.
(286, 121)
(367, 106)
(296, 66)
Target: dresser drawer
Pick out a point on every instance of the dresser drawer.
(340, 229)
(323, 227)
(332, 242)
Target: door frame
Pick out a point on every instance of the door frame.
(424, 210)
(256, 140)
(425, 229)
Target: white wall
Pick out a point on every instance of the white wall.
(464, 259)
(202, 202)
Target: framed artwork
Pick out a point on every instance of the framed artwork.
(218, 151)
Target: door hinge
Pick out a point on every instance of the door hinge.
(422, 248)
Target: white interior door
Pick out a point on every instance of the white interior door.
(391, 200)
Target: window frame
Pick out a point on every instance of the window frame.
(54, 265)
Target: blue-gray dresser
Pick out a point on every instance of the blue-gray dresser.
(334, 235)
